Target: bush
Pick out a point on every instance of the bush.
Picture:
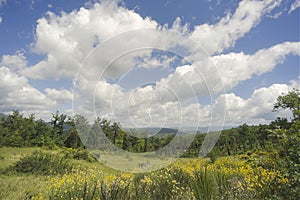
(78, 154)
(43, 163)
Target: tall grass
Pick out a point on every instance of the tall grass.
(203, 184)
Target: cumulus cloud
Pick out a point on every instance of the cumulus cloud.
(15, 62)
(10, 81)
(150, 61)
(183, 85)
(237, 67)
(16, 93)
(219, 73)
(141, 108)
(62, 96)
(217, 37)
(257, 108)
(68, 38)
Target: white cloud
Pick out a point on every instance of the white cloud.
(213, 75)
(16, 93)
(142, 107)
(294, 6)
(237, 67)
(10, 81)
(276, 15)
(107, 93)
(161, 61)
(68, 38)
(215, 38)
(257, 108)
(15, 62)
(1, 19)
(62, 96)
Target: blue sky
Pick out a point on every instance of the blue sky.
(46, 45)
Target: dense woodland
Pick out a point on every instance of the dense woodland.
(19, 131)
(280, 139)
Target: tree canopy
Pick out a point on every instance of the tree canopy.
(289, 101)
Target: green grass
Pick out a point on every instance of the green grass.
(15, 185)
(22, 186)
(11, 155)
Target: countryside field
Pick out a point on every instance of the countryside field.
(42, 161)
(85, 178)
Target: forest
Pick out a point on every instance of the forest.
(248, 162)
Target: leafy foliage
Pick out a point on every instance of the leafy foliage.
(43, 163)
(289, 101)
(289, 138)
(77, 154)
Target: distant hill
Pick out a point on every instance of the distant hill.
(184, 130)
(154, 130)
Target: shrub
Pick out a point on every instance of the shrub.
(43, 163)
(78, 154)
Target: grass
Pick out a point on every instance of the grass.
(15, 185)
(22, 186)
(187, 178)
(135, 162)
(11, 155)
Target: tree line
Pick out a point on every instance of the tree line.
(17, 130)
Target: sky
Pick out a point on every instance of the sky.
(149, 63)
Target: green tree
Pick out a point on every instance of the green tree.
(115, 129)
(43, 134)
(125, 142)
(289, 101)
(58, 122)
(290, 140)
(73, 140)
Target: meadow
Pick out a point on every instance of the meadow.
(39, 173)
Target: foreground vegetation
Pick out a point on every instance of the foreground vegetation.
(48, 161)
(60, 175)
